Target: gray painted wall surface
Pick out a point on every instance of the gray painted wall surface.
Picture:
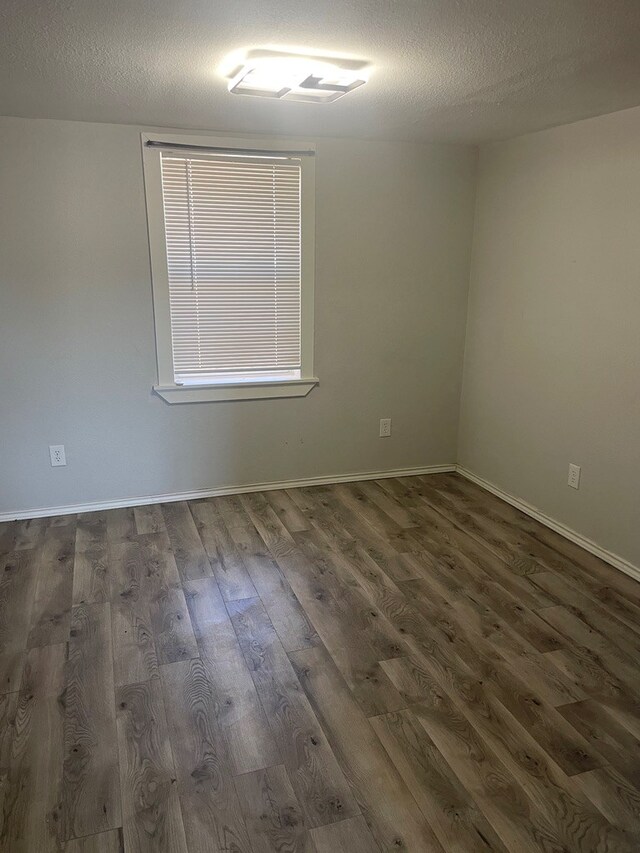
(552, 362)
(77, 356)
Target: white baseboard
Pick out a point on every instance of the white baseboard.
(588, 545)
(141, 500)
(94, 506)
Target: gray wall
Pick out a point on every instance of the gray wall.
(552, 362)
(76, 326)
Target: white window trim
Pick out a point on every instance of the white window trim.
(254, 390)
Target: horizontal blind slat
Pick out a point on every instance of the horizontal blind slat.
(232, 230)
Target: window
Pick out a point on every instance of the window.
(231, 236)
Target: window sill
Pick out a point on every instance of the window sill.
(240, 391)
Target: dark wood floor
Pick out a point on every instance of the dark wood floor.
(402, 665)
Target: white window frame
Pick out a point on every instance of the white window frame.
(247, 390)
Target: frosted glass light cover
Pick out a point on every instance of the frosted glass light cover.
(287, 76)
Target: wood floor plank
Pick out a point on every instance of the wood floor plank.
(91, 576)
(230, 509)
(520, 825)
(171, 626)
(323, 512)
(158, 569)
(134, 652)
(8, 708)
(288, 617)
(91, 582)
(336, 579)
(513, 546)
(354, 526)
(611, 656)
(501, 795)
(351, 496)
(382, 592)
(228, 568)
(569, 814)
(450, 810)
(597, 570)
(18, 578)
(609, 737)
(319, 784)
(566, 812)
(238, 712)
(453, 548)
(401, 490)
(411, 677)
(287, 510)
(32, 797)
(126, 572)
(121, 524)
(402, 664)
(387, 805)
(149, 519)
(404, 517)
(91, 801)
(240, 716)
(210, 621)
(468, 618)
(332, 615)
(299, 498)
(7, 536)
(104, 842)
(51, 613)
(612, 589)
(43, 674)
(561, 742)
(272, 531)
(160, 587)
(593, 615)
(210, 808)
(152, 819)
(23, 819)
(356, 635)
(459, 572)
(538, 672)
(191, 558)
(614, 796)
(91, 530)
(348, 836)
(22, 535)
(628, 715)
(621, 606)
(586, 670)
(399, 566)
(272, 813)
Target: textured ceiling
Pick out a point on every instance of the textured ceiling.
(467, 70)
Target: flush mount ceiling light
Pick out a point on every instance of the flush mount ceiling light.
(267, 73)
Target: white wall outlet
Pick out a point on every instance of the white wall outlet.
(385, 427)
(574, 476)
(57, 455)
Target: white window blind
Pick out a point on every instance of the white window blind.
(232, 230)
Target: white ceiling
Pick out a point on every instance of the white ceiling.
(466, 70)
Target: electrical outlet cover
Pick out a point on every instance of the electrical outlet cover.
(574, 476)
(57, 455)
